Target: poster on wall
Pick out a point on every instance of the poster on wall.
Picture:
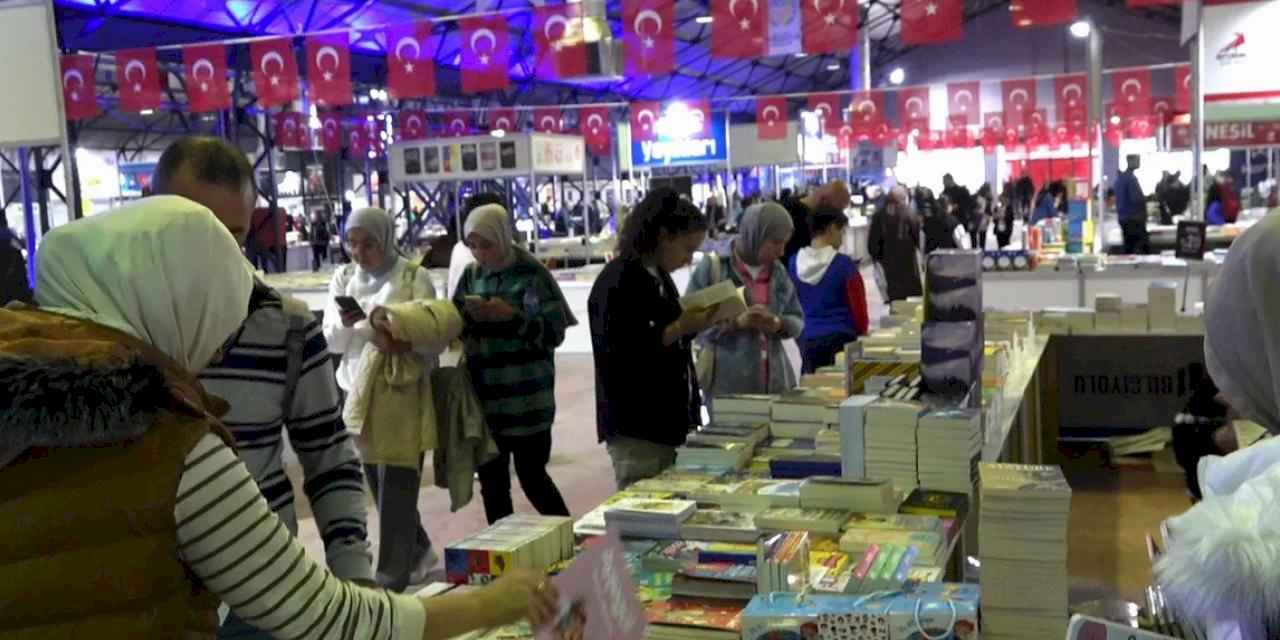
(1241, 50)
(1126, 382)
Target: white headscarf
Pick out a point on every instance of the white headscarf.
(492, 223)
(761, 223)
(163, 269)
(378, 223)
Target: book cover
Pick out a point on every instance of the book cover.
(715, 519)
(729, 300)
(936, 503)
(647, 508)
(1025, 479)
(722, 615)
(597, 597)
(894, 522)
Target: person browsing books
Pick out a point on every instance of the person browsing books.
(831, 292)
(647, 396)
(746, 351)
(515, 318)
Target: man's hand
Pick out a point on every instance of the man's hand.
(491, 310)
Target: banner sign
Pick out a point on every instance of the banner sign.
(1240, 50)
(1227, 135)
(673, 146)
(1126, 382)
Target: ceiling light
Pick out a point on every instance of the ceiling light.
(146, 112)
(1081, 29)
(1115, 119)
(801, 54)
(897, 76)
(498, 133)
(703, 19)
(834, 66)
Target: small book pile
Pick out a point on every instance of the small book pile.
(719, 580)
(926, 502)
(753, 494)
(720, 526)
(783, 561)
(929, 547)
(1023, 537)
(944, 611)
(853, 435)
(848, 494)
(514, 542)
(806, 467)
(749, 409)
(642, 518)
(802, 413)
(827, 442)
(823, 522)
(745, 434)
(592, 523)
(681, 618)
(676, 555)
(833, 571)
(950, 449)
(713, 457)
(891, 449)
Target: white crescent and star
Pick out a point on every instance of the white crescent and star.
(995, 122)
(595, 121)
(457, 125)
(967, 98)
(553, 20)
(503, 123)
(915, 113)
(128, 71)
(745, 23)
(829, 18)
(79, 77)
(1124, 89)
(268, 57)
(1071, 90)
(1013, 95)
(548, 123)
(647, 15)
(324, 53)
(330, 128)
(408, 42)
(770, 109)
(645, 117)
(483, 34)
(413, 123)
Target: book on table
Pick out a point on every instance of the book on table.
(861, 495)
(729, 301)
(720, 525)
(592, 523)
(649, 518)
(750, 435)
(943, 504)
(680, 618)
(896, 522)
(783, 562)
(819, 521)
(750, 404)
(929, 546)
(786, 447)
(671, 556)
(597, 596)
(803, 430)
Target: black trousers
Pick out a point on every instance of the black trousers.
(531, 454)
(1136, 240)
(821, 351)
(319, 252)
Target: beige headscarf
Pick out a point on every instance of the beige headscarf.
(492, 223)
(163, 269)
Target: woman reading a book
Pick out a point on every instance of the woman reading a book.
(746, 352)
(647, 395)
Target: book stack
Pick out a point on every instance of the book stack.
(1023, 536)
(891, 449)
(848, 494)
(517, 541)
(929, 546)
(896, 522)
(641, 518)
(676, 555)
(824, 522)
(830, 569)
(749, 409)
(693, 619)
(827, 442)
(719, 580)
(1108, 308)
(806, 467)
(720, 526)
(952, 340)
(713, 457)
(950, 449)
(592, 523)
(783, 561)
(943, 504)
(748, 435)
(1162, 307)
(853, 440)
(674, 481)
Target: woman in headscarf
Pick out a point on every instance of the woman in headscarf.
(125, 511)
(747, 353)
(515, 318)
(893, 240)
(378, 276)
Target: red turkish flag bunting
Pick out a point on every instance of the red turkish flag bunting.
(485, 54)
(1018, 98)
(644, 120)
(701, 110)
(502, 120)
(290, 130)
(827, 106)
(204, 69)
(593, 122)
(1162, 110)
(829, 26)
(331, 133)
(1040, 13)
(413, 124)
(411, 71)
(648, 36)
(867, 110)
(1037, 127)
(78, 88)
(457, 123)
(373, 136)
(929, 21)
(958, 135)
(913, 108)
(275, 71)
(357, 141)
(739, 28)
(965, 98)
(139, 79)
(1182, 88)
(1071, 97)
(329, 69)
(771, 118)
(1114, 124)
(1131, 91)
(992, 130)
(558, 41)
(547, 120)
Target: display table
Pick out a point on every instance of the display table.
(1077, 287)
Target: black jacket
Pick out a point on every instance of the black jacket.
(644, 390)
(800, 236)
(13, 275)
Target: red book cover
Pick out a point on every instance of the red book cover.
(702, 613)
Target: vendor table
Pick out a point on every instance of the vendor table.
(1077, 287)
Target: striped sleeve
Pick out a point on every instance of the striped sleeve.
(232, 541)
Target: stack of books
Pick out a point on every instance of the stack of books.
(806, 410)
(846, 494)
(827, 442)
(515, 542)
(950, 449)
(806, 467)
(643, 518)
(823, 522)
(720, 526)
(943, 504)
(1023, 537)
(746, 434)
(676, 555)
(680, 618)
(947, 611)
(783, 561)
(713, 457)
(592, 523)
(853, 435)
(749, 409)
(929, 546)
(718, 580)
(891, 449)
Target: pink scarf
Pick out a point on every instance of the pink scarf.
(757, 293)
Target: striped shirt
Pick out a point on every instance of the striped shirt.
(242, 552)
(251, 377)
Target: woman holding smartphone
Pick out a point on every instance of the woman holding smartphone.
(379, 275)
(515, 318)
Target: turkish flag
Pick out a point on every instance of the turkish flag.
(275, 71)
(867, 110)
(1041, 13)
(329, 69)
(457, 123)
(413, 124)
(992, 130)
(1019, 99)
(411, 71)
(559, 42)
(827, 106)
(1182, 88)
(913, 108)
(936, 139)
(1071, 97)
(1037, 127)
(331, 133)
(644, 120)
(771, 118)
(593, 122)
(1140, 127)
(928, 21)
(502, 120)
(648, 36)
(829, 26)
(1162, 110)
(485, 54)
(739, 28)
(373, 136)
(1131, 91)
(965, 98)
(701, 110)
(290, 130)
(547, 120)
(78, 92)
(204, 69)
(139, 79)
(358, 141)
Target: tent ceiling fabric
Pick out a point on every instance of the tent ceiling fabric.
(106, 25)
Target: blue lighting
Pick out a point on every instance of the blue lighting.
(241, 9)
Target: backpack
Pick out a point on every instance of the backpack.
(295, 342)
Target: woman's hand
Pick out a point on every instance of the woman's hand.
(491, 310)
(697, 320)
(523, 593)
(385, 343)
(350, 318)
(758, 318)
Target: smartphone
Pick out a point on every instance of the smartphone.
(349, 305)
(431, 158)
(469, 162)
(413, 161)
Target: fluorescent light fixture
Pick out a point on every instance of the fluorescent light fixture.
(146, 112)
(703, 19)
(801, 54)
(897, 76)
(1081, 29)
(498, 133)
(834, 66)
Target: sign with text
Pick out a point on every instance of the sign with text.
(1241, 50)
(677, 150)
(1126, 382)
(1228, 135)
(558, 154)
